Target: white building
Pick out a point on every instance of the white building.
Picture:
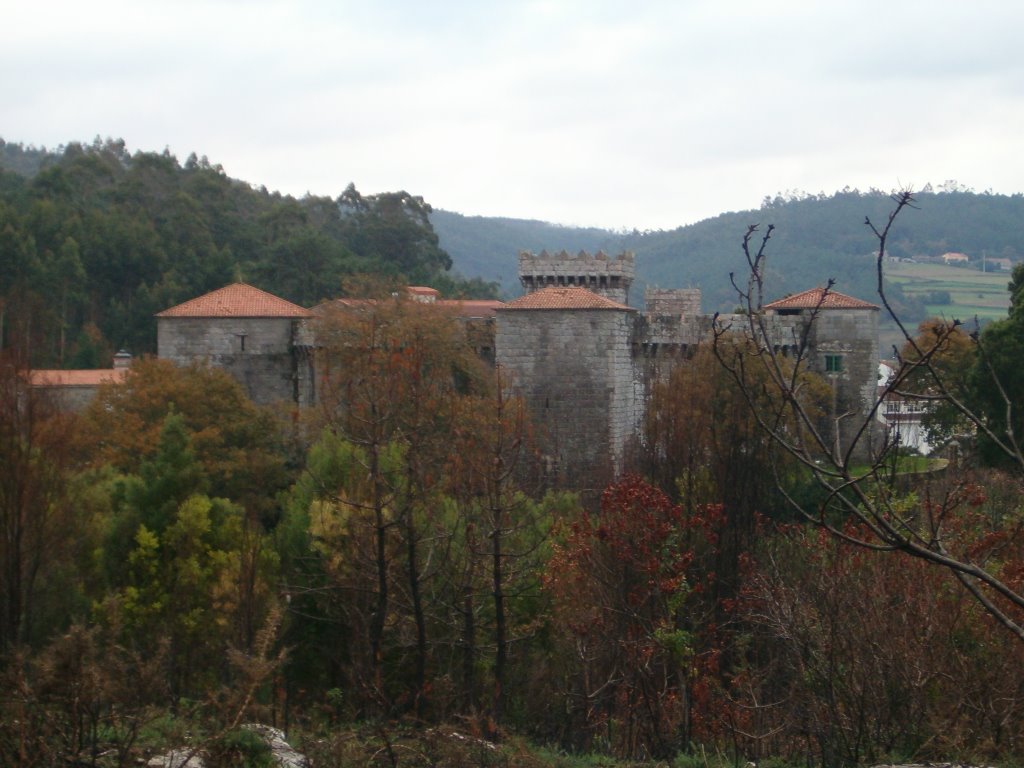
(902, 416)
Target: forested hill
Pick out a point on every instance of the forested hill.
(95, 240)
(487, 246)
(816, 237)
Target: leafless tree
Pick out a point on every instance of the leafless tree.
(862, 504)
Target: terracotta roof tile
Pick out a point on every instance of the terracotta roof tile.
(818, 297)
(237, 300)
(558, 297)
(80, 378)
(472, 307)
(461, 307)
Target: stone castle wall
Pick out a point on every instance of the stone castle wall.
(608, 276)
(73, 399)
(574, 370)
(852, 337)
(261, 353)
(585, 374)
(586, 378)
(684, 302)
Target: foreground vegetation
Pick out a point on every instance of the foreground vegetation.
(186, 562)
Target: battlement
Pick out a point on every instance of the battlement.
(680, 302)
(609, 276)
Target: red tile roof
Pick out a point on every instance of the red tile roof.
(237, 300)
(472, 307)
(818, 297)
(81, 378)
(557, 297)
(461, 307)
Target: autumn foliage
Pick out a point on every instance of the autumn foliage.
(858, 655)
(168, 555)
(628, 587)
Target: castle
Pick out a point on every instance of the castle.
(582, 359)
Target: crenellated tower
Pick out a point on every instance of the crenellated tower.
(608, 276)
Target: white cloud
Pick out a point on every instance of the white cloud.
(650, 114)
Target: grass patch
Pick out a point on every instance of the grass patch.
(905, 465)
(971, 293)
(965, 312)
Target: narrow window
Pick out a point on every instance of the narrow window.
(833, 363)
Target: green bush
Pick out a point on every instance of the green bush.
(240, 748)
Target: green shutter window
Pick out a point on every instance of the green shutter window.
(833, 363)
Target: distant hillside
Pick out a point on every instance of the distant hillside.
(816, 237)
(488, 247)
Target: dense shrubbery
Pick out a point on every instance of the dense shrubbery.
(186, 602)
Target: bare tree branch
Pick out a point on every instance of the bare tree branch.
(863, 494)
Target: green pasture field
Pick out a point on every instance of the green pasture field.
(972, 292)
(964, 312)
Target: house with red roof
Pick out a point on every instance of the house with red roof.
(956, 259)
(73, 390)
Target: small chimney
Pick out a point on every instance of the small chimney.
(122, 359)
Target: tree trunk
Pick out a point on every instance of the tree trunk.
(380, 612)
(500, 631)
(417, 610)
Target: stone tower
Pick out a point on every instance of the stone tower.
(250, 333)
(608, 276)
(842, 347)
(678, 302)
(567, 352)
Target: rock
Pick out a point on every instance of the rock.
(177, 758)
(283, 754)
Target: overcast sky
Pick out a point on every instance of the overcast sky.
(613, 114)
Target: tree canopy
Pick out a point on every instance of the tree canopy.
(95, 240)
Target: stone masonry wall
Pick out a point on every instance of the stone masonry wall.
(852, 336)
(684, 302)
(70, 398)
(609, 276)
(574, 370)
(660, 342)
(587, 375)
(258, 352)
